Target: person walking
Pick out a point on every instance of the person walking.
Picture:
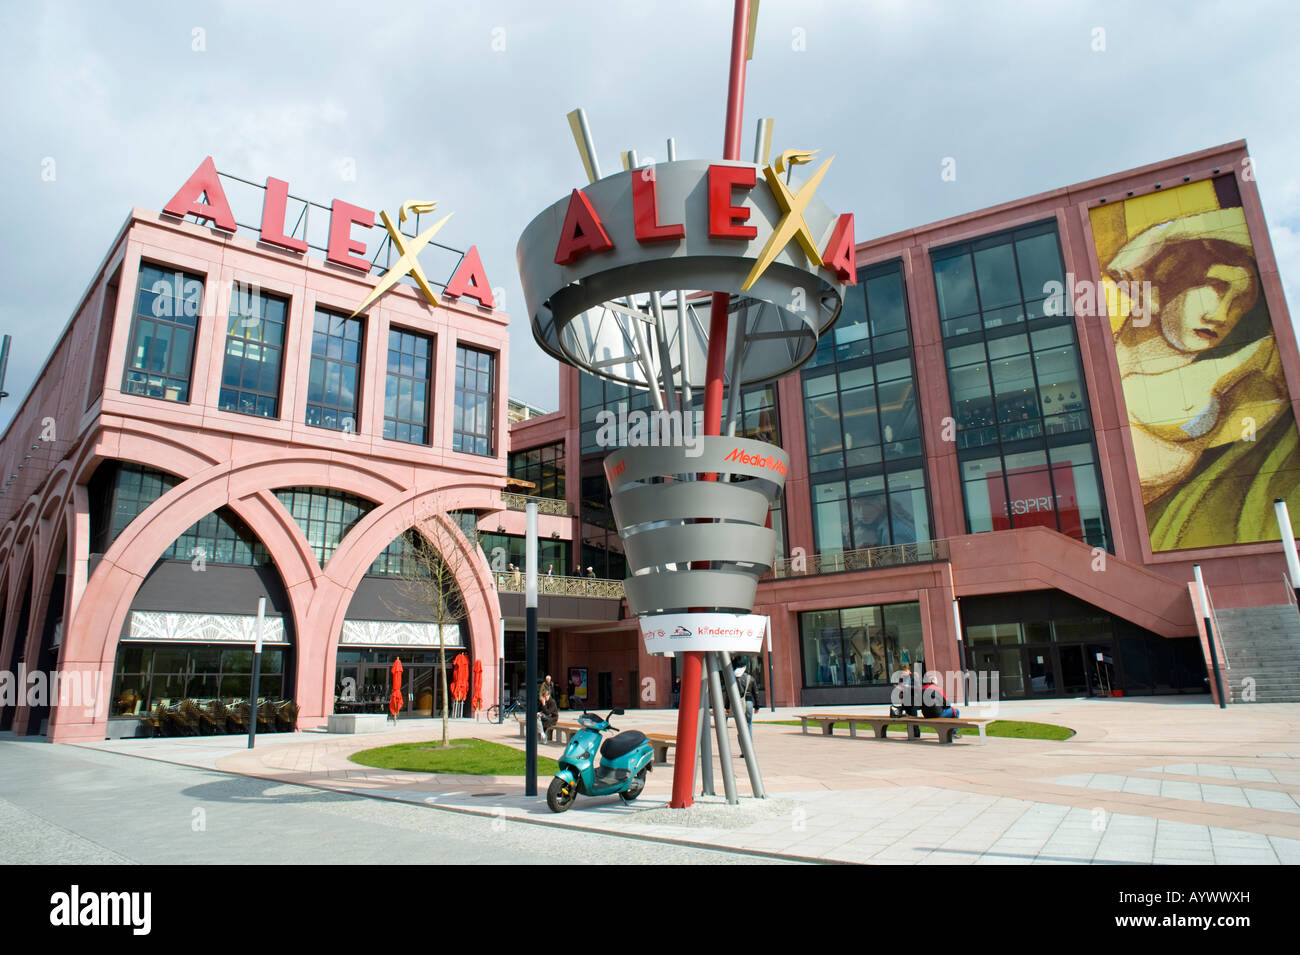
(748, 688)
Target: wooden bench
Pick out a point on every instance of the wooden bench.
(563, 732)
(560, 732)
(661, 742)
(946, 728)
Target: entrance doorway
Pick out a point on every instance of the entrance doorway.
(605, 691)
(1043, 670)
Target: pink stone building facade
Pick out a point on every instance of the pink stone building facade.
(963, 493)
(1067, 595)
(160, 400)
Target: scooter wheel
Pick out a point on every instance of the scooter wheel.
(560, 794)
(634, 790)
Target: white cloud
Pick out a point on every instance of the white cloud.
(418, 97)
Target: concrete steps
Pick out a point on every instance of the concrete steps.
(1262, 645)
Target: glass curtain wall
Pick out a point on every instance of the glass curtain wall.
(1019, 399)
(863, 423)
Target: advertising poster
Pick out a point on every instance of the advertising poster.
(1213, 432)
(577, 684)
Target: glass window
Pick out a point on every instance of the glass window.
(542, 467)
(324, 515)
(995, 268)
(1039, 257)
(250, 372)
(856, 646)
(406, 389)
(830, 517)
(954, 281)
(909, 517)
(823, 650)
(161, 347)
(869, 511)
(219, 538)
(475, 412)
(852, 334)
(333, 399)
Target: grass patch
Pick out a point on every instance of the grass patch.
(469, 757)
(1011, 729)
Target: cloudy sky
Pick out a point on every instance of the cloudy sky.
(465, 103)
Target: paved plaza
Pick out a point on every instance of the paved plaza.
(1163, 780)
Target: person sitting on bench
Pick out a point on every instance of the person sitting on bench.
(548, 714)
(934, 705)
(904, 694)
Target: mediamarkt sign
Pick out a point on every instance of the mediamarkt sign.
(203, 197)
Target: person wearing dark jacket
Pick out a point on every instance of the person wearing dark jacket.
(548, 714)
(934, 705)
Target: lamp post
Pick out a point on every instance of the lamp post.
(257, 673)
(530, 653)
(1288, 545)
(1209, 633)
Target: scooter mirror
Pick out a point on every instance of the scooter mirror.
(616, 712)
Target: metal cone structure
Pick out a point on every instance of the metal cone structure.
(692, 543)
(615, 278)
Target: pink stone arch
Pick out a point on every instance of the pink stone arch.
(318, 598)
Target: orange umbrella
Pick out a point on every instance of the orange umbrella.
(395, 701)
(460, 677)
(478, 686)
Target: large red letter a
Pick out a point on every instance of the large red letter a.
(471, 281)
(187, 202)
(582, 231)
(839, 250)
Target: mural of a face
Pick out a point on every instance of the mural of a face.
(1213, 435)
(1201, 317)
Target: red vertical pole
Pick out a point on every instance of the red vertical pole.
(692, 666)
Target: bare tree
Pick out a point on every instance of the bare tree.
(439, 551)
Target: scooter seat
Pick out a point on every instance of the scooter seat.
(622, 744)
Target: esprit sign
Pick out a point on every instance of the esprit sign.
(203, 197)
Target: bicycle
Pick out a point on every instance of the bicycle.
(517, 709)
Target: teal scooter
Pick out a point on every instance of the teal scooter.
(625, 761)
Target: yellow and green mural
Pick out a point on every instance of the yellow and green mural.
(1213, 430)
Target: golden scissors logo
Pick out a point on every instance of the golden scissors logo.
(792, 224)
(410, 248)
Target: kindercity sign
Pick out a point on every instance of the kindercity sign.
(685, 225)
(203, 197)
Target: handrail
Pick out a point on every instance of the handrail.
(865, 558)
(513, 582)
(545, 505)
